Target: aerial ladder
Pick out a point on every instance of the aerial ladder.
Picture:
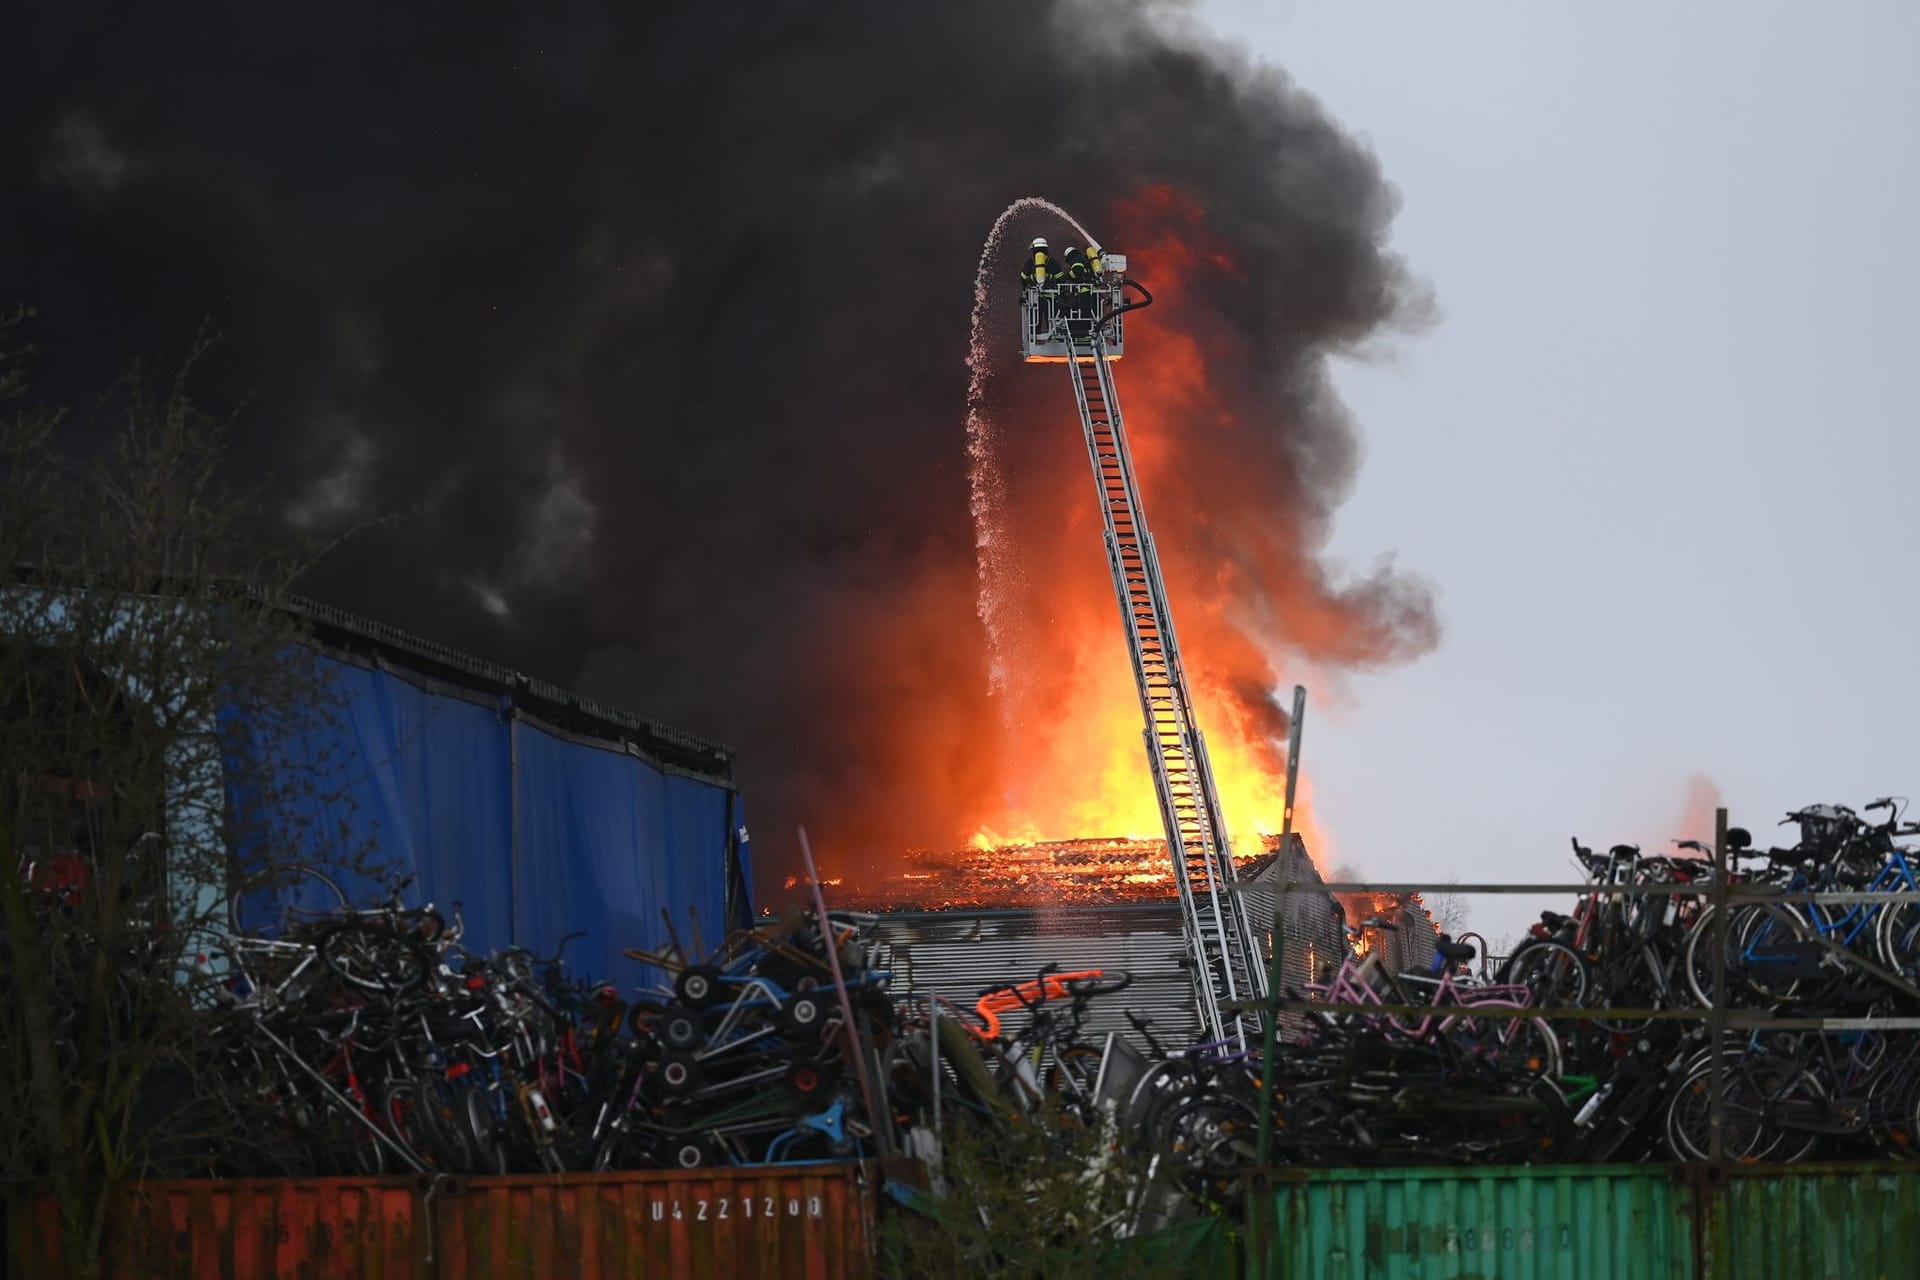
(1081, 326)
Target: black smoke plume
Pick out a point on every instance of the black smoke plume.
(649, 322)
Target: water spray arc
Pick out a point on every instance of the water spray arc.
(998, 570)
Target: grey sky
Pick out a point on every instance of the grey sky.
(1659, 455)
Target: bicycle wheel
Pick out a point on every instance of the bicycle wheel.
(1163, 1087)
(1313, 1124)
(1761, 943)
(1627, 983)
(484, 1126)
(1209, 1136)
(1554, 974)
(1897, 937)
(1529, 1048)
(1525, 1047)
(443, 1126)
(1105, 985)
(1894, 1099)
(345, 1143)
(1756, 1084)
(1688, 1123)
(372, 957)
(1750, 931)
(272, 896)
(1073, 1071)
(1775, 1086)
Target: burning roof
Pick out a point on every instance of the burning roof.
(1097, 870)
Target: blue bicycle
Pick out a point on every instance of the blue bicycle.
(1784, 951)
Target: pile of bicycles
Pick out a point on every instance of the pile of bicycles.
(364, 1041)
(1840, 1077)
(1586, 1044)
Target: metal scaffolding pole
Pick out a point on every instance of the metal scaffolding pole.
(1261, 1220)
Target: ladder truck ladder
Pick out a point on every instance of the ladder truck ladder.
(1220, 941)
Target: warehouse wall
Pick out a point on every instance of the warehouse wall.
(959, 953)
(536, 831)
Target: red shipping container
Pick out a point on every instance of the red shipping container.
(807, 1221)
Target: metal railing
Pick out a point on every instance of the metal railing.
(1053, 316)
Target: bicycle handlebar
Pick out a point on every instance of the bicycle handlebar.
(555, 957)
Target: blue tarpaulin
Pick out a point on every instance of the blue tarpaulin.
(536, 831)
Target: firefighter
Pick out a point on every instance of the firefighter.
(1077, 286)
(1038, 269)
(1097, 271)
(1036, 274)
(1074, 268)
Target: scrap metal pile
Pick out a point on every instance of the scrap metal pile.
(370, 1041)
(361, 1041)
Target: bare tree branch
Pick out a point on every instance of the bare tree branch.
(144, 674)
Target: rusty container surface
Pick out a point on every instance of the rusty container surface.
(1811, 1222)
(803, 1221)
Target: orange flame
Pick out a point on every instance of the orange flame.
(1016, 779)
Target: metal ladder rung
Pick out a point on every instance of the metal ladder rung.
(1215, 927)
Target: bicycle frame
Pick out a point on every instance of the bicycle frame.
(1894, 875)
(1352, 984)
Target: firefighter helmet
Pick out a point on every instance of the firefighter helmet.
(1039, 242)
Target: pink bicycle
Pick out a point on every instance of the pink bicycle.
(1449, 1002)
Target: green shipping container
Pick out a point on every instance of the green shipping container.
(1567, 1223)
(1812, 1222)
(1802, 1222)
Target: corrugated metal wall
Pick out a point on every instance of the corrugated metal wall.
(1567, 1222)
(537, 830)
(1563, 1222)
(1314, 937)
(959, 953)
(802, 1221)
(1799, 1222)
(1832, 1222)
(799, 1222)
